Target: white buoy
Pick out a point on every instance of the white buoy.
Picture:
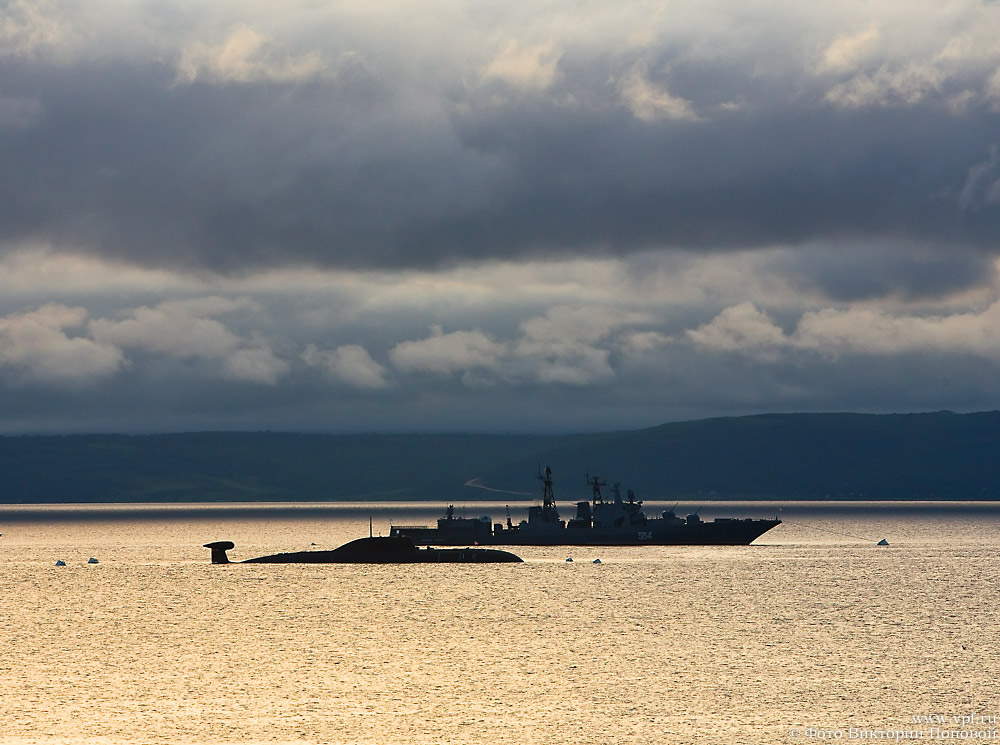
(597, 561)
(60, 563)
(92, 560)
(883, 542)
(569, 559)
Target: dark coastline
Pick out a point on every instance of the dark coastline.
(790, 457)
(383, 513)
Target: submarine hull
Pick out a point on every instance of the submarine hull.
(390, 550)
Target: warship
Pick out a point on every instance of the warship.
(372, 550)
(599, 522)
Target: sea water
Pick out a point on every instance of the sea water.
(813, 633)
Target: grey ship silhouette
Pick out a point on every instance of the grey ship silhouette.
(599, 522)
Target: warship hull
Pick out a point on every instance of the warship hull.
(598, 522)
(724, 532)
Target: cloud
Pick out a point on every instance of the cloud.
(245, 56)
(742, 328)
(835, 332)
(564, 345)
(36, 348)
(446, 354)
(907, 86)
(30, 27)
(849, 50)
(182, 329)
(564, 326)
(992, 91)
(531, 67)
(982, 184)
(650, 102)
(255, 364)
(551, 346)
(187, 330)
(867, 331)
(349, 363)
(908, 271)
(584, 365)
(237, 138)
(640, 343)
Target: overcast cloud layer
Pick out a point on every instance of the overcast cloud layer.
(482, 216)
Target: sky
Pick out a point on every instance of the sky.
(485, 216)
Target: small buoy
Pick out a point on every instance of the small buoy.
(883, 542)
(597, 561)
(569, 558)
(92, 560)
(60, 563)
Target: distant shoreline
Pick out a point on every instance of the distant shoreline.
(939, 456)
(431, 510)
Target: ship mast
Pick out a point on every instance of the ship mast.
(596, 484)
(548, 497)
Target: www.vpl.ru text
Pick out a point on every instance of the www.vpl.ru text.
(954, 719)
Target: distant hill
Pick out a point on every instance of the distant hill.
(788, 456)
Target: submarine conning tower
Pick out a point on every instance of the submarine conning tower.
(219, 549)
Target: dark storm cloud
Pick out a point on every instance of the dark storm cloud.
(914, 273)
(360, 169)
(785, 177)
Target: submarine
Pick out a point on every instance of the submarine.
(372, 550)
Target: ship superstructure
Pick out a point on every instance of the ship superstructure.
(598, 522)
